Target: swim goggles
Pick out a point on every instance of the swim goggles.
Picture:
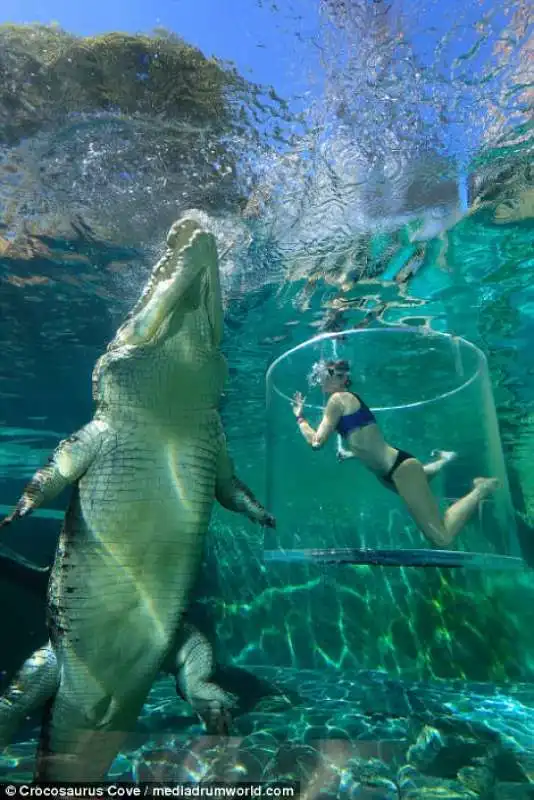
(319, 372)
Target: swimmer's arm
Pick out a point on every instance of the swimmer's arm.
(332, 415)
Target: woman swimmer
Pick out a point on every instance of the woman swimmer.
(348, 415)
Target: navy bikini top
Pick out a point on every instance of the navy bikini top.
(359, 419)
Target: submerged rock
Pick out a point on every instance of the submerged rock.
(505, 187)
(435, 753)
(479, 779)
(369, 779)
(49, 73)
(107, 136)
(386, 790)
(513, 791)
(426, 749)
(525, 760)
(415, 786)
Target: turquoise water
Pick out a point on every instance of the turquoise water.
(361, 663)
(358, 681)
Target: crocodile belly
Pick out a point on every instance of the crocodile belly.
(128, 555)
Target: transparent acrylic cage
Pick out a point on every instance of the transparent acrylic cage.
(428, 391)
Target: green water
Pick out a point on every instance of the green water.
(398, 622)
(301, 626)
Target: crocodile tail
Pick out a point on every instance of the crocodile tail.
(32, 688)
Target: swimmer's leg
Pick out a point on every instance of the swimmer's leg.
(412, 485)
(433, 468)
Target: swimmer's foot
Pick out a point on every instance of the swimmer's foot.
(444, 455)
(343, 455)
(486, 486)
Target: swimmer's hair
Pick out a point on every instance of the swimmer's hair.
(342, 367)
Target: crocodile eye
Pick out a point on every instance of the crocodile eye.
(512, 203)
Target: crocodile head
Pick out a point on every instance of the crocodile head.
(516, 209)
(171, 337)
(506, 192)
(182, 239)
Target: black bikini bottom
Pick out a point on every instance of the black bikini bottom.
(402, 455)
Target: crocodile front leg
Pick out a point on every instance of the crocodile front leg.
(235, 495)
(71, 458)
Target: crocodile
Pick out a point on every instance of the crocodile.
(145, 472)
(191, 663)
(200, 680)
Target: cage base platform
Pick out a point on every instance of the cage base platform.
(396, 558)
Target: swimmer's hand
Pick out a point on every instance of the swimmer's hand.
(298, 403)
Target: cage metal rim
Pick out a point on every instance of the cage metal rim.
(481, 361)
